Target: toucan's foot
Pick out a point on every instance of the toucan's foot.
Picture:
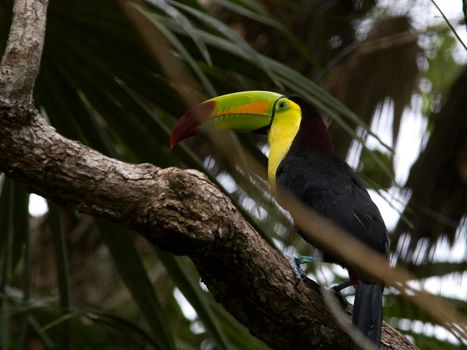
(343, 285)
(336, 290)
(297, 261)
(342, 300)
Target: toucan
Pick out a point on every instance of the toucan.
(301, 161)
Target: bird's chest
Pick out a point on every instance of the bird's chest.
(313, 179)
(281, 135)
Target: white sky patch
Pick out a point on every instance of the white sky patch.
(203, 286)
(280, 245)
(392, 201)
(227, 182)
(37, 205)
(340, 271)
(281, 230)
(457, 252)
(381, 124)
(390, 206)
(450, 286)
(261, 213)
(209, 162)
(264, 148)
(353, 155)
(197, 327)
(325, 274)
(412, 133)
(188, 310)
(425, 15)
(425, 328)
(289, 251)
(248, 203)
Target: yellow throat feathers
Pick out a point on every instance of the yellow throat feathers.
(283, 130)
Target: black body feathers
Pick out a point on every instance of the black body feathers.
(329, 186)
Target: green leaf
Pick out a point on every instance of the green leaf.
(123, 326)
(369, 168)
(232, 36)
(240, 336)
(398, 306)
(92, 329)
(432, 269)
(20, 222)
(5, 209)
(133, 274)
(14, 226)
(6, 232)
(185, 54)
(260, 15)
(426, 342)
(44, 338)
(443, 67)
(185, 24)
(61, 258)
(27, 276)
(190, 288)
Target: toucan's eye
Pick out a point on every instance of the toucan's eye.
(282, 104)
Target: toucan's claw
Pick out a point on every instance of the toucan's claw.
(342, 285)
(336, 290)
(297, 270)
(297, 261)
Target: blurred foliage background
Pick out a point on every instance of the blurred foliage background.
(390, 76)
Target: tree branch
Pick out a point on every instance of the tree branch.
(22, 57)
(184, 213)
(180, 211)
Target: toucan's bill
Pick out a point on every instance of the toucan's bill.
(241, 111)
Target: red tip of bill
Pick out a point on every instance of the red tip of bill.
(188, 123)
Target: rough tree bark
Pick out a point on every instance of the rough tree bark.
(180, 211)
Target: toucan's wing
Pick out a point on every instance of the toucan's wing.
(330, 186)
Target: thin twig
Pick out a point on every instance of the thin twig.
(449, 24)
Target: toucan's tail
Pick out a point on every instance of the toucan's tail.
(368, 311)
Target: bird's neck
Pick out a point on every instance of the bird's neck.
(313, 133)
(292, 132)
(284, 128)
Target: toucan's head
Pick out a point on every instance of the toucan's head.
(259, 111)
(247, 111)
